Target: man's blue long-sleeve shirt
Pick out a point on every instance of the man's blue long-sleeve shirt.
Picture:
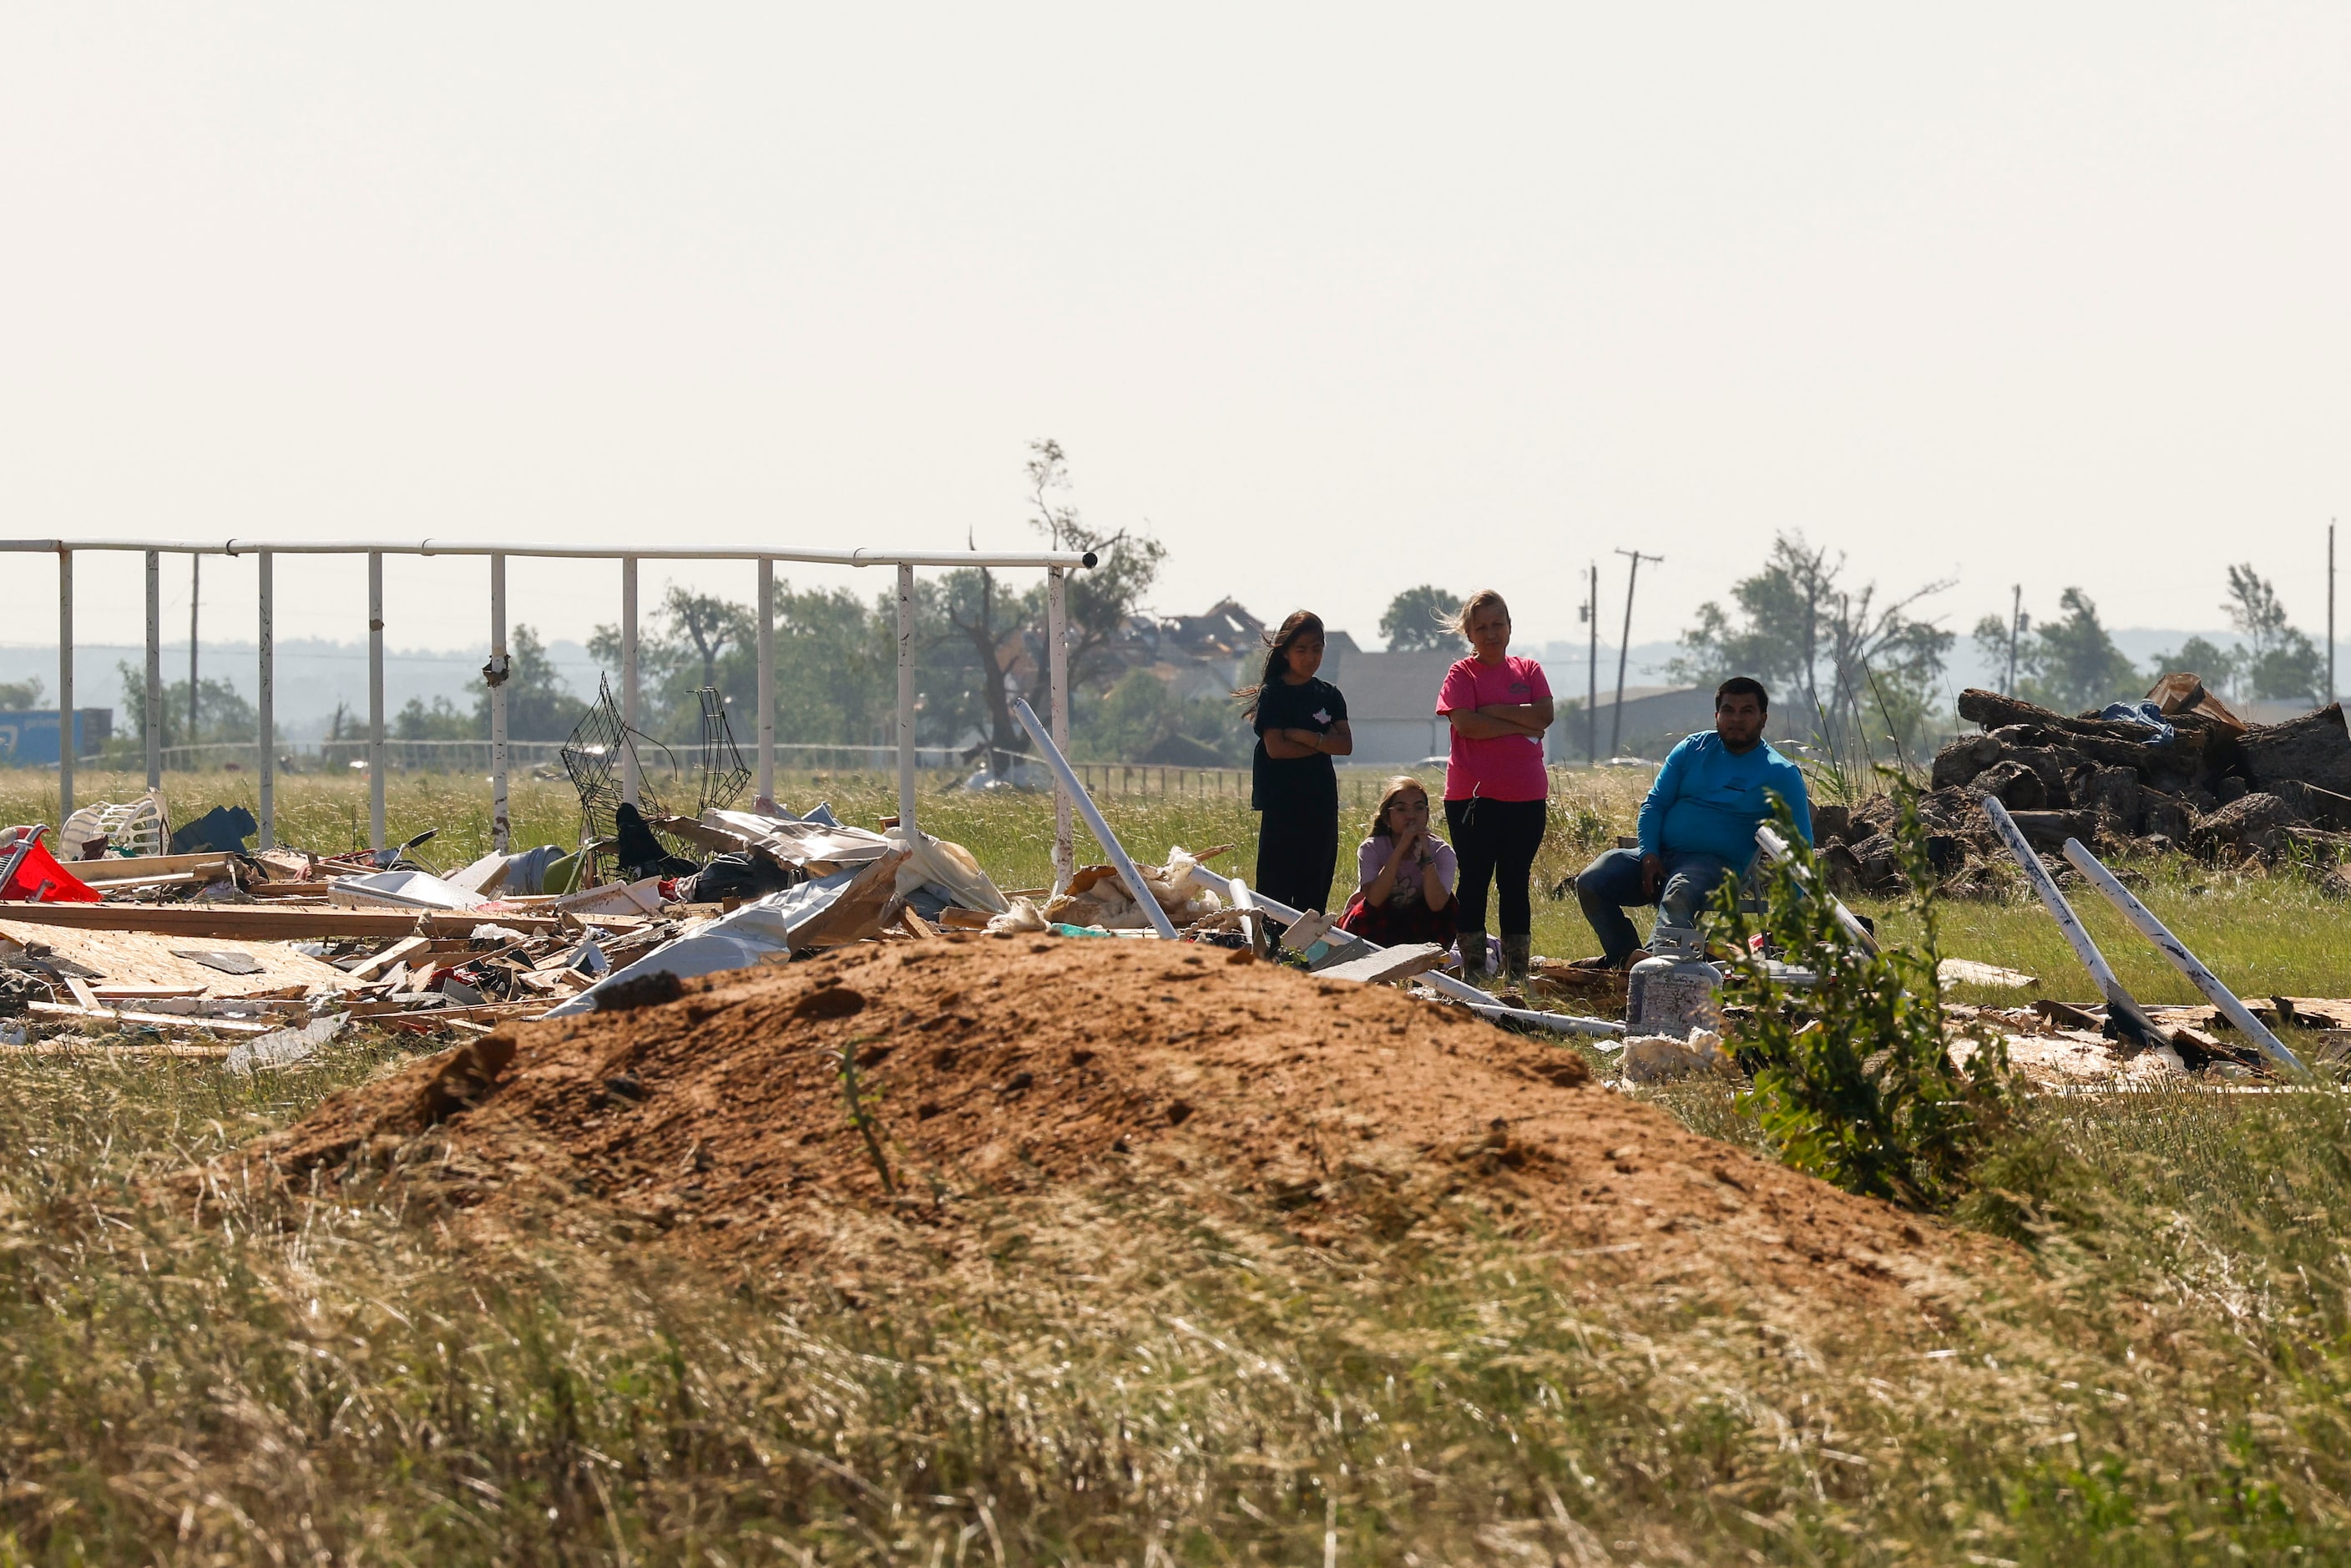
(1708, 800)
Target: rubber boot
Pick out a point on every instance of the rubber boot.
(1516, 952)
(1473, 954)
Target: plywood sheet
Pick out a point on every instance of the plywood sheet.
(143, 958)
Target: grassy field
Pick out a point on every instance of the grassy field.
(1148, 1377)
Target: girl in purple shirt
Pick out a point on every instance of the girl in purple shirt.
(1404, 874)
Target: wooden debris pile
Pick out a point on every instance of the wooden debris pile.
(183, 951)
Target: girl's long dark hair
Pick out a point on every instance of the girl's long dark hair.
(1277, 651)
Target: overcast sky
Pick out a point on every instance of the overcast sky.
(1333, 300)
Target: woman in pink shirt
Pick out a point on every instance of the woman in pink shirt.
(1497, 787)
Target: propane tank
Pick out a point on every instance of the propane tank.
(1675, 989)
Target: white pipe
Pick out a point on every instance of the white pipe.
(860, 558)
(154, 710)
(1253, 921)
(2119, 1004)
(1775, 849)
(67, 740)
(1462, 990)
(1057, 659)
(628, 679)
(375, 699)
(767, 682)
(500, 670)
(2187, 963)
(906, 699)
(265, 725)
(1085, 803)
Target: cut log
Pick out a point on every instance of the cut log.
(1994, 711)
(2313, 748)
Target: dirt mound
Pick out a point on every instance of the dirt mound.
(720, 1122)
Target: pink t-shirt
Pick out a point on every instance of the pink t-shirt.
(1500, 768)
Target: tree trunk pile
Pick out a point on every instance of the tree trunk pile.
(2225, 792)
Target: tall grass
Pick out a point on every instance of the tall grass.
(1140, 1374)
(1154, 1372)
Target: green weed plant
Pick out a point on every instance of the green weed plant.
(1854, 1081)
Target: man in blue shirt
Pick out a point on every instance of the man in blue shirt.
(1697, 825)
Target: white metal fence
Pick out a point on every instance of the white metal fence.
(501, 755)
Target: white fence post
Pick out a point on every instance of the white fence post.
(154, 710)
(906, 698)
(67, 740)
(266, 656)
(767, 682)
(501, 666)
(629, 678)
(375, 699)
(1056, 664)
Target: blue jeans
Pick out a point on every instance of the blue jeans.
(1611, 883)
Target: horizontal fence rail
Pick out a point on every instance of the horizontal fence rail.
(379, 753)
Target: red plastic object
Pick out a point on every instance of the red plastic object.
(35, 876)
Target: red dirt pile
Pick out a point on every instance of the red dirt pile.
(720, 1122)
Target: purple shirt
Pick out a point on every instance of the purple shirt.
(1372, 858)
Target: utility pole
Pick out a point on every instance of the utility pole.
(2330, 610)
(2015, 627)
(1625, 648)
(196, 578)
(1592, 670)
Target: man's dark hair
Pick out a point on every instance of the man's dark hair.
(1743, 686)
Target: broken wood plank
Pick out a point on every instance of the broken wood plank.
(207, 865)
(156, 1020)
(2065, 1015)
(1303, 933)
(1389, 964)
(915, 924)
(262, 922)
(75, 1046)
(391, 957)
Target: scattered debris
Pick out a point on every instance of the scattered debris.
(1968, 972)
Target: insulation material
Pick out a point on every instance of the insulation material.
(1097, 895)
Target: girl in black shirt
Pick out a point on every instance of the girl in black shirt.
(1301, 724)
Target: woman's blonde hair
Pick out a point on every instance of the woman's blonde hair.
(1458, 622)
(1389, 794)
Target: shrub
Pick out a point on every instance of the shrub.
(1854, 1080)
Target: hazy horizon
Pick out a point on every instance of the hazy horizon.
(1332, 301)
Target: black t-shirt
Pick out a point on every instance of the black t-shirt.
(1295, 781)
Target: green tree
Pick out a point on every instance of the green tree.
(2219, 668)
(1860, 667)
(2069, 663)
(1415, 619)
(2280, 662)
(1141, 719)
(226, 717)
(442, 721)
(16, 696)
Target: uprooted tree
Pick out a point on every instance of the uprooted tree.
(1860, 667)
(990, 640)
